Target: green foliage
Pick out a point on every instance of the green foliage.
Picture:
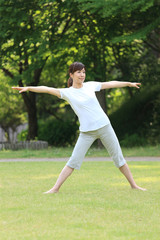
(115, 98)
(108, 8)
(127, 20)
(136, 121)
(30, 33)
(39, 39)
(134, 62)
(22, 136)
(153, 135)
(11, 105)
(139, 34)
(133, 140)
(57, 133)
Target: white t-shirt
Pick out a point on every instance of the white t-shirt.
(86, 106)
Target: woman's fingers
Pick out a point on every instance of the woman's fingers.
(138, 85)
(20, 89)
(16, 88)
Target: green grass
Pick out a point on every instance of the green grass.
(95, 203)
(66, 152)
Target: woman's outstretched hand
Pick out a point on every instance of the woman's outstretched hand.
(136, 85)
(21, 89)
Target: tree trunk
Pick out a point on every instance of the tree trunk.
(101, 96)
(29, 98)
(130, 92)
(30, 102)
(32, 121)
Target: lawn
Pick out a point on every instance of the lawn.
(95, 203)
(53, 152)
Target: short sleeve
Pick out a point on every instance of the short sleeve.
(63, 93)
(96, 86)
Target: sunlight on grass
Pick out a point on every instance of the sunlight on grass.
(149, 179)
(95, 203)
(145, 166)
(120, 184)
(45, 176)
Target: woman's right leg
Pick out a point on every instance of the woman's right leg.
(65, 173)
(84, 142)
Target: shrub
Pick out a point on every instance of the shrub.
(153, 132)
(57, 133)
(22, 136)
(133, 140)
(138, 118)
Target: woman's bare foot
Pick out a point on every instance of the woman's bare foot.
(139, 188)
(52, 190)
(65, 173)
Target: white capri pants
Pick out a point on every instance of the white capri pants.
(109, 139)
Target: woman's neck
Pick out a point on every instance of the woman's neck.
(75, 85)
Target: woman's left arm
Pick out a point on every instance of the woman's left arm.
(118, 84)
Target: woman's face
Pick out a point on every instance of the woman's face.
(78, 76)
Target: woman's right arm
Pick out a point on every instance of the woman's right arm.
(41, 89)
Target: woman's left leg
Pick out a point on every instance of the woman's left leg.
(111, 143)
(127, 173)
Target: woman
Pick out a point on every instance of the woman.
(94, 123)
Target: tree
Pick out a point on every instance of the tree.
(114, 25)
(30, 32)
(11, 114)
(127, 20)
(34, 34)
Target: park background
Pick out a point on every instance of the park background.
(116, 40)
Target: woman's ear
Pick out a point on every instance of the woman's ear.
(71, 75)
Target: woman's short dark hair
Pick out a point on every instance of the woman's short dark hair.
(73, 68)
